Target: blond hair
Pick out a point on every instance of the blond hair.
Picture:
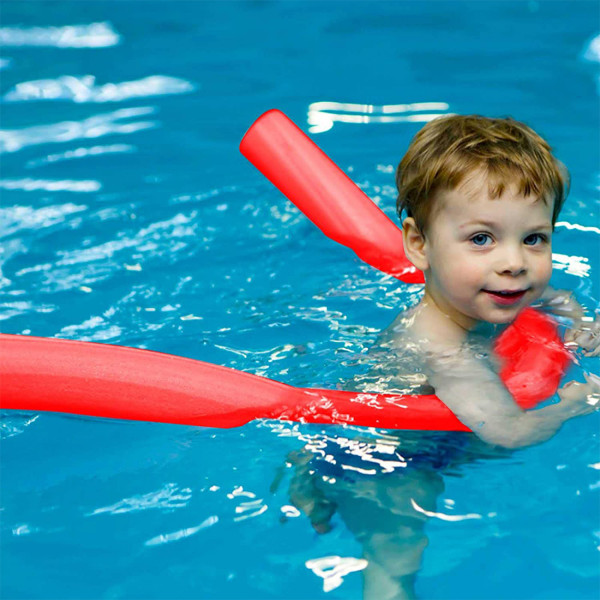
(449, 148)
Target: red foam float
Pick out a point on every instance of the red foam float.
(40, 374)
(325, 194)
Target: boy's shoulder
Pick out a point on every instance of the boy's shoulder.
(394, 362)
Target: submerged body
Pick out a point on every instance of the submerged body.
(385, 485)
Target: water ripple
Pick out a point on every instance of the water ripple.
(163, 239)
(84, 89)
(165, 538)
(14, 423)
(12, 140)
(100, 330)
(82, 152)
(18, 218)
(92, 35)
(323, 115)
(333, 569)
(167, 498)
(247, 509)
(592, 50)
(28, 184)
(573, 265)
(13, 309)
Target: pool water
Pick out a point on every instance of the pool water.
(129, 217)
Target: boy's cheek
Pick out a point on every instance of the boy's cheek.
(545, 272)
(543, 276)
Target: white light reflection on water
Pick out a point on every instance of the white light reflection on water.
(94, 329)
(18, 218)
(444, 516)
(323, 115)
(14, 423)
(84, 89)
(24, 529)
(12, 309)
(50, 185)
(165, 538)
(333, 569)
(592, 50)
(578, 227)
(591, 53)
(290, 512)
(167, 498)
(373, 448)
(12, 140)
(573, 265)
(92, 35)
(82, 152)
(246, 509)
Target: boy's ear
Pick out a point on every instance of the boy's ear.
(414, 244)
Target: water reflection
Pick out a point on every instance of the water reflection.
(591, 52)
(13, 140)
(82, 152)
(573, 265)
(166, 538)
(27, 184)
(333, 569)
(93, 35)
(167, 498)
(84, 89)
(323, 115)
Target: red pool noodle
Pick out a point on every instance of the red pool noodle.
(42, 374)
(101, 380)
(325, 194)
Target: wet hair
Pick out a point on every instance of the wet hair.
(449, 149)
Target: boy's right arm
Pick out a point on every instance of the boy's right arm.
(477, 396)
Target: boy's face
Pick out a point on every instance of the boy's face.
(487, 258)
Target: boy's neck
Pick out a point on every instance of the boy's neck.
(443, 330)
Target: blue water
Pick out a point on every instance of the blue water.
(129, 217)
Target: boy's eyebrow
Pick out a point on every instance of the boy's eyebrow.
(477, 222)
(491, 225)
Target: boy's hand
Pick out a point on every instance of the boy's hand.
(581, 398)
(562, 304)
(585, 335)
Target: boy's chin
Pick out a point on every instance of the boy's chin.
(504, 317)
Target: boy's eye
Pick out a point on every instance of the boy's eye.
(535, 239)
(481, 239)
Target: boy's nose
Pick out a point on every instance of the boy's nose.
(512, 262)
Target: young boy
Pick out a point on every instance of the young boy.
(481, 198)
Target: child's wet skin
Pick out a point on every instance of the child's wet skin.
(484, 258)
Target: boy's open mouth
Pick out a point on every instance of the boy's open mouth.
(506, 297)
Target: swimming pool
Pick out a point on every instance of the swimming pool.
(129, 217)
